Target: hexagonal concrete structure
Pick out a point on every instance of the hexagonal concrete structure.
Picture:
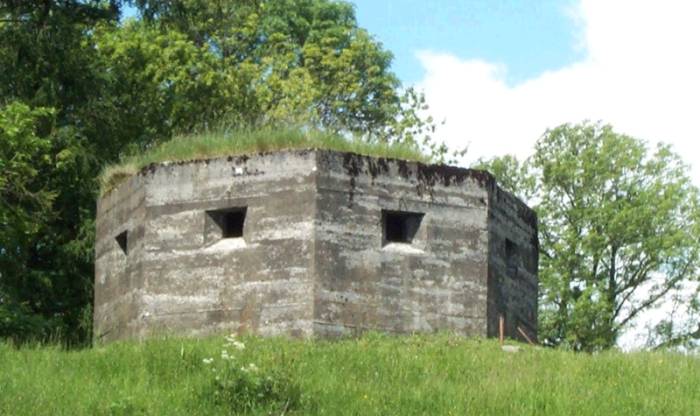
(313, 243)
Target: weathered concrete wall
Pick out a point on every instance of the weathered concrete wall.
(438, 281)
(118, 274)
(313, 256)
(512, 273)
(194, 282)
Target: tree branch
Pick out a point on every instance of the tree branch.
(675, 341)
(669, 286)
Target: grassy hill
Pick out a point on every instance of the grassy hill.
(374, 375)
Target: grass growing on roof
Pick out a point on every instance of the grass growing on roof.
(226, 143)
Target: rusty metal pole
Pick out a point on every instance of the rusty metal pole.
(524, 334)
(501, 329)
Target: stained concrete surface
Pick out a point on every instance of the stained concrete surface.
(313, 257)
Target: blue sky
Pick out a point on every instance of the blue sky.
(527, 37)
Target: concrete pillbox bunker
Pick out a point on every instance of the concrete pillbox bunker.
(313, 243)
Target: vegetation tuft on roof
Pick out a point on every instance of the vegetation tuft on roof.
(221, 143)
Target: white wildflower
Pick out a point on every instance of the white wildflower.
(238, 345)
(251, 368)
(208, 360)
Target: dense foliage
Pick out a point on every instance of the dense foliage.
(619, 235)
(80, 87)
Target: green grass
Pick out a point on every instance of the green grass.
(374, 375)
(227, 143)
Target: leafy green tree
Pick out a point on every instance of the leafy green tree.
(25, 207)
(156, 83)
(619, 227)
(48, 88)
(300, 61)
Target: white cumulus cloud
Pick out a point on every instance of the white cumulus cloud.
(640, 72)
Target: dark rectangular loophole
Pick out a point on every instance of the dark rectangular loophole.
(122, 240)
(228, 222)
(400, 226)
(510, 249)
(511, 252)
(232, 224)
